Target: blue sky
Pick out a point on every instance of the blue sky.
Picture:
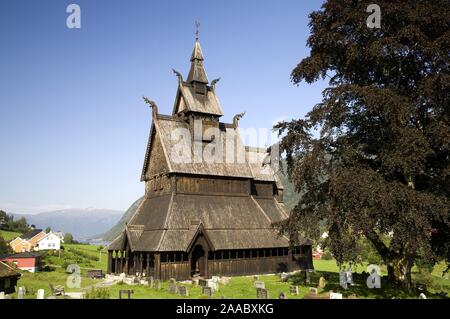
(73, 127)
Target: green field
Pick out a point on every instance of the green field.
(89, 257)
(8, 235)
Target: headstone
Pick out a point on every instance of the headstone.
(262, 293)
(255, 278)
(422, 296)
(158, 284)
(183, 291)
(202, 282)
(144, 282)
(215, 279)
(293, 290)
(313, 290)
(151, 282)
(349, 276)
(126, 292)
(40, 294)
(21, 293)
(172, 281)
(307, 278)
(335, 295)
(343, 279)
(214, 285)
(173, 289)
(284, 277)
(282, 295)
(322, 282)
(207, 291)
(2, 295)
(260, 284)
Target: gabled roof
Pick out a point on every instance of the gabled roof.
(164, 223)
(8, 271)
(21, 255)
(30, 234)
(188, 100)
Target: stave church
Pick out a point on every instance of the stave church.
(210, 201)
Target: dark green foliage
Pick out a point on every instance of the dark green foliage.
(97, 293)
(68, 238)
(4, 247)
(8, 223)
(384, 134)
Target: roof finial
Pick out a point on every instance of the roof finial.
(197, 27)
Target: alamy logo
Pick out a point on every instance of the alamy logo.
(373, 20)
(74, 19)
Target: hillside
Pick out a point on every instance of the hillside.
(81, 223)
(117, 228)
(290, 200)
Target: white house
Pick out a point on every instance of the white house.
(49, 242)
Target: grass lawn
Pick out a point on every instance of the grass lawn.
(89, 257)
(8, 235)
(42, 280)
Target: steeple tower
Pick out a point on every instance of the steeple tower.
(195, 95)
(197, 72)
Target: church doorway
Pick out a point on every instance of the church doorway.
(198, 261)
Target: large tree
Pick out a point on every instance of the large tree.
(373, 158)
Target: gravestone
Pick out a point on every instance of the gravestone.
(255, 278)
(214, 285)
(151, 282)
(183, 291)
(282, 295)
(202, 282)
(173, 289)
(322, 282)
(158, 284)
(349, 275)
(262, 293)
(285, 277)
(172, 281)
(207, 291)
(260, 284)
(307, 278)
(215, 279)
(422, 296)
(335, 295)
(313, 290)
(343, 279)
(2, 295)
(21, 293)
(293, 290)
(126, 292)
(40, 294)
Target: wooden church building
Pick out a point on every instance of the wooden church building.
(201, 216)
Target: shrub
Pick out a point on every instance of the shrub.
(97, 293)
(327, 255)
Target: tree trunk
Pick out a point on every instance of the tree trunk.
(399, 272)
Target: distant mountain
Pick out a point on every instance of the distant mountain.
(83, 224)
(291, 198)
(120, 225)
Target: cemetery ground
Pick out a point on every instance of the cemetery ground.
(90, 257)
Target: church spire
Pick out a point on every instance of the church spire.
(197, 72)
